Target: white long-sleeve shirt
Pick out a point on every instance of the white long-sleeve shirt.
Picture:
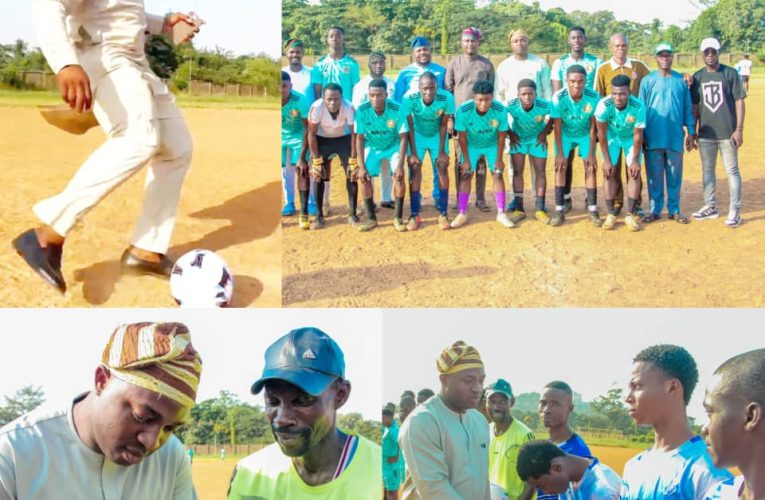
(64, 26)
(42, 457)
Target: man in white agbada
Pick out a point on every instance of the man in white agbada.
(96, 49)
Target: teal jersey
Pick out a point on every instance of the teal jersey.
(481, 130)
(390, 446)
(344, 72)
(293, 114)
(574, 115)
(589, 62)
(621, 122)
(427, 118)
(381, 132)
(529, 124)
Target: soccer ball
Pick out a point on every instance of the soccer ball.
(200, 278)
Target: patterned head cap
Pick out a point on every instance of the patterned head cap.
(155, 356)
(458, 357)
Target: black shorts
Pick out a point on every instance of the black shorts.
(331, 146)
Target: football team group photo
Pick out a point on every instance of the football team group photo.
(576, 144)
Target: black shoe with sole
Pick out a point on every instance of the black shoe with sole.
(45, 261)
(136, 265)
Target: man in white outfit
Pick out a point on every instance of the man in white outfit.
(117, 440)
(96, 49)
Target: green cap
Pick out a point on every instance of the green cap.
(501, 386)
(663, 46)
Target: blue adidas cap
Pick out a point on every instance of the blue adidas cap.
(305, 357)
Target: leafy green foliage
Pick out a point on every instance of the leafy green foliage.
(23, 401)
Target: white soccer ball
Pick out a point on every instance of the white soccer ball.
(200, 278)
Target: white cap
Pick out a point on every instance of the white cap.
(710, 43)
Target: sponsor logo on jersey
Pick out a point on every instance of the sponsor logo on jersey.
(539, 118)
(587, 108)
(630, 119)
(439, 112)
(391, 123)
(294, 112)
(493, 123)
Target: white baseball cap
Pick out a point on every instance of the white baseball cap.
(710, 43)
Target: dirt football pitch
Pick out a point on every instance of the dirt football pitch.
(702, 264)
(211, 476)
(229, 204)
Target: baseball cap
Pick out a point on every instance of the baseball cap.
(710, 43)
(663, 47)
(501, 386)
(305, 357)
(419, 41)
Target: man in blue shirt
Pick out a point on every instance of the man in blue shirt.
(668, 109)
(555, 407)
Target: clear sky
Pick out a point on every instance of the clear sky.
(59, 349)
(590, 349)
(241, 26)
(669, 11)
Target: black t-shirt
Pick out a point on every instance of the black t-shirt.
(716, 93)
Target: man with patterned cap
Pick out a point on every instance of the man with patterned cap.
(507, 436)
(445, 440)
(115, 441)
(304, 385)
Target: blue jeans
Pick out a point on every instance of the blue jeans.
(729, 152)
(661, 164)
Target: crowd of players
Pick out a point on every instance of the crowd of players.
(465, 443)
(384, 128)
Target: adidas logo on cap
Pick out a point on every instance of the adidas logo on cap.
(308, 354)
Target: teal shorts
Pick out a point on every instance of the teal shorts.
(624, 148)
(391, 477)
(293, 153)
(373, 160)
(530, 148)
(477, 153)
(429, 145)
(569, 143)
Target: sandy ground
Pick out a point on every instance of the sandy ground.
(703, 264)
(211, 477)
(229, 204)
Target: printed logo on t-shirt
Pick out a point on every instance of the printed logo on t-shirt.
(713, 95)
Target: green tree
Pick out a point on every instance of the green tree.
(22, 401)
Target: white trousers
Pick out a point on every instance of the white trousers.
(143, 126)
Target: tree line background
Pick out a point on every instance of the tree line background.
(217, 66)
(224, 420)
(390, 25)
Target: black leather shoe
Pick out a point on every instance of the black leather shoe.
(387, 204)
(46, 261)
(482, 205)
(136, 265)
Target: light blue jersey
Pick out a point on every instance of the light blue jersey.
(686, 472)
(408, 79)
(726, 490)
(599, 482)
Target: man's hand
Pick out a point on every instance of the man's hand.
(191, 29)
(608, 168)
(302, 168)
(690, 142)
(413, 161)
(634, 170)
(443, 159)
(499, 166)
(362, 175)
(560, 163)
(737, 138)
(317, 168)
(398, 173)
(590, 163)
(513, 138)
(450, 127)
(542, 139)
(465, 168)
(74, 85)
